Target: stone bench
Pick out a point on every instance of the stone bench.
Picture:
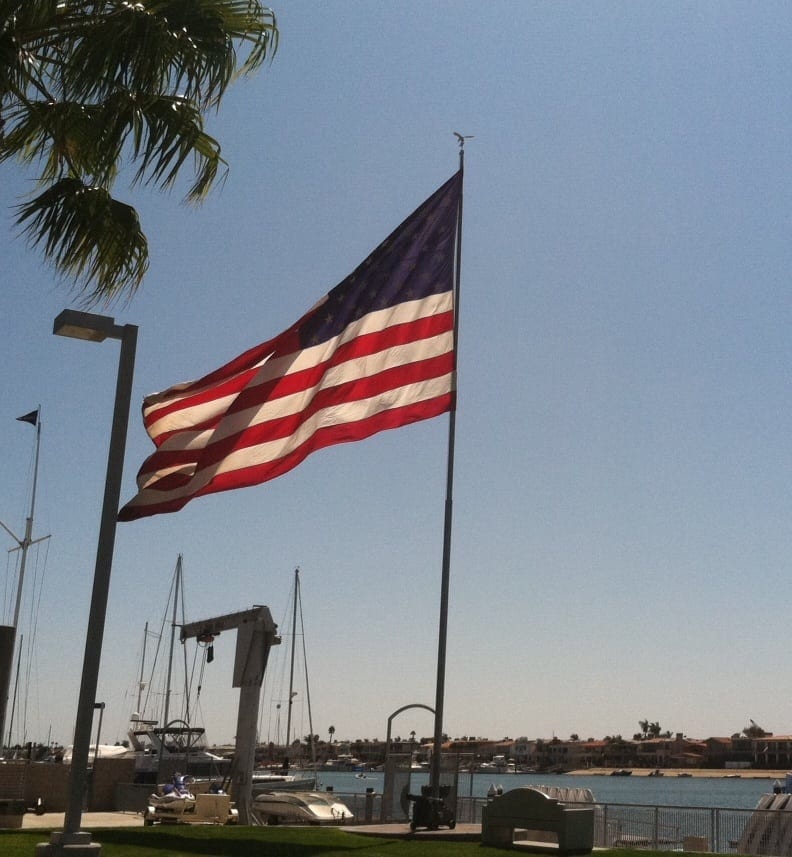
(527, 809)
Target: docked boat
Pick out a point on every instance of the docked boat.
(100, 751)
(621, 772)
(163, 747)
(177, 746)
(264, 780)
(284, 807)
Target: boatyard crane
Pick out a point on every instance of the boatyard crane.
(256, 634)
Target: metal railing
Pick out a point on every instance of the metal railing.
(658, 828)
(682, 828)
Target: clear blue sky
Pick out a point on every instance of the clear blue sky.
(623, 504)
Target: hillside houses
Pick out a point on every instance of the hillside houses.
(768, 752)
(669, 751)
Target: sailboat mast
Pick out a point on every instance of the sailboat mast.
(141, 683)
(173, 640)
(294, 646)
(28, 540)
(308, 693)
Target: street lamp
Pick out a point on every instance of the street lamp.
(96, 328)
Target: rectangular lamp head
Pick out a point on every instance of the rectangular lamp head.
(84, 325)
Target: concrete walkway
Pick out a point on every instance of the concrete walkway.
(97, 820)
(90, 820)
(461, 833)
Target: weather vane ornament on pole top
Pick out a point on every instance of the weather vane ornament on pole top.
(462, 138)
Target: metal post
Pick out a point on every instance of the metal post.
(9, 634)
(127, 334)
(442, 635)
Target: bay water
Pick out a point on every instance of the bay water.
(668, 790)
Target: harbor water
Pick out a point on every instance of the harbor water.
(669, 790)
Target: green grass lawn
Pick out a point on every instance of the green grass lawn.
(260, 842)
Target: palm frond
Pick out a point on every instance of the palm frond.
(88, 236)
(170, 130)
(88, 84)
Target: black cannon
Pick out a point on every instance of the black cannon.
(430, 811)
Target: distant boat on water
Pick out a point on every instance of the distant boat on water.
(270, 780)
(344, 762)
(621, 772)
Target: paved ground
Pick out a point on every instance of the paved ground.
(462, 832)
(90, 820)
(96, 820)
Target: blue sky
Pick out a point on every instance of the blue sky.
(622, 537)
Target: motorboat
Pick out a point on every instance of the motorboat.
(343, 762)
(284, 807)
(99, 751)
(177, 745)
(264, 780)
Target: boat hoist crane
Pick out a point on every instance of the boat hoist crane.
(256, 634)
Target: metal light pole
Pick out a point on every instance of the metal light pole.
(96, 328)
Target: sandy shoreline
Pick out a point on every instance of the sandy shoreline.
(749, 774)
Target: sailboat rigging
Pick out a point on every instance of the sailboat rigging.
(266, 780)
(297, 607)
(176, 744)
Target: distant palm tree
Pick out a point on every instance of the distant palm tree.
(86, 85)
(331, 731)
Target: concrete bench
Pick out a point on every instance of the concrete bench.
(531, 810)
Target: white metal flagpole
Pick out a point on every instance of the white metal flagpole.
(23, 544)
(436, 766)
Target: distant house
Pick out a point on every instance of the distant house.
(734, 752)
(772, 751)
(676, 752)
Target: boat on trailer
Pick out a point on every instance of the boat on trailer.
(176, 804)
(284, 807)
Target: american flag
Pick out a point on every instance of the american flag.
(375, 353)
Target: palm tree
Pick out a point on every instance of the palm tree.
(331, 732)
(89, 85)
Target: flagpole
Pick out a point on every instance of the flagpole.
(28, 539)
(446, 570)
(8, 633)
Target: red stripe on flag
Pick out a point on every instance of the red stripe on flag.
(329, 436)
(281, 427)
(375, 353)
